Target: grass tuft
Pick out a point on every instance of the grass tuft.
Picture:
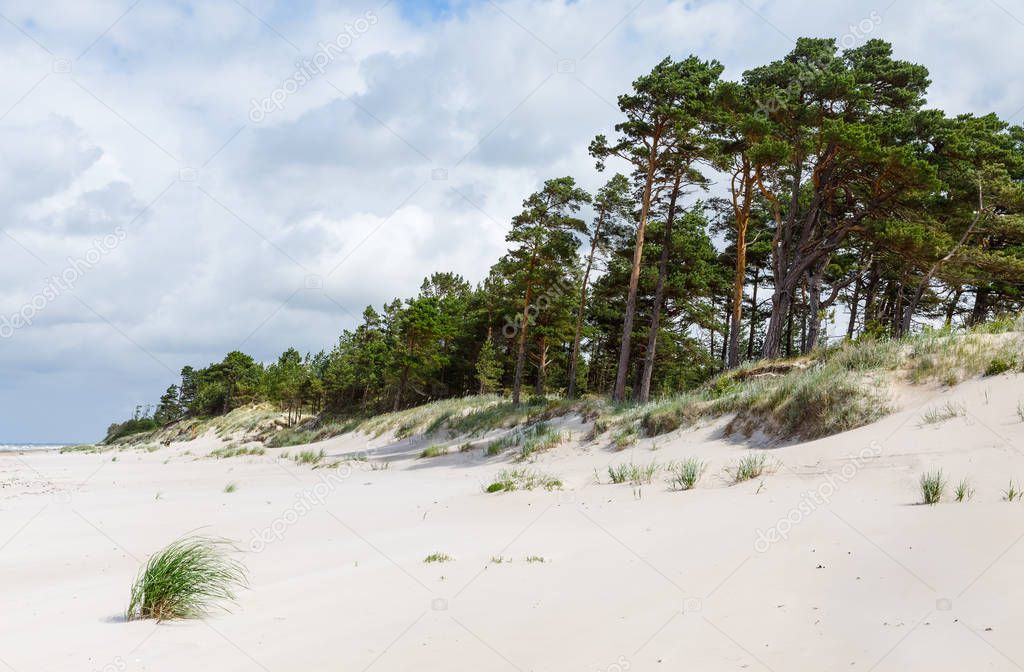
(234, 450)
(933, 484)
(1012, 493)
(438, 557)
(947, 411)
(748, 467)
(309, 457)
(185, 579)
(508, 480)
(964, 491)
(635, 474)
(434, 451)
(684, 475)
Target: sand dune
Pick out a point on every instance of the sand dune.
(825, 563)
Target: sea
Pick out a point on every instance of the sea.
(20, 447)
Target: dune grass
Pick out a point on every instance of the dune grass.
(748, 468)
(309, 457)
(964, 492)
(635, 474)
(684, 475)
(231, 487)
(508, 480)
(434, 451)
(234, 450)
(438, 557)
(529, 441)
(947, 411)
(185, 580)
(1012, 493)
(933, 485)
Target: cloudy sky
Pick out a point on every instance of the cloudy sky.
(183, 179)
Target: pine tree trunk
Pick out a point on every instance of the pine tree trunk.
(517, 380)
(619, 394)
(753, 313)
(742, 212)
(814, 306)
(643, 391)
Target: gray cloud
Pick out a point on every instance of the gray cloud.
(338, 182)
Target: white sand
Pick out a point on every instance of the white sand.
(633, 578)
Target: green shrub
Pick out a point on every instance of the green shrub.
(185, 579)
(998, 365)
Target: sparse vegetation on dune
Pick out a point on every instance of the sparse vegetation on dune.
(438, 557)
(508, 480)
(434, 451)
(947, 411)
(185, 579)
(748, 468)
(309, 457)
(635, 474)
(234, 450)
(812, 396)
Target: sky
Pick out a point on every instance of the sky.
(184, 179)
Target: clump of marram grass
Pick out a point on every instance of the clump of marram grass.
(434, 451)
(626, 437)
(632, 473)
(538, 438)
(185, 580)
(964, 491)
(947, 411)
(234, 450)
(933, 484)
(748, 467)
(684, 475)
(438, 557)
(535, 559)
(508, 480)
(1012, 493)
(230, 487)
(309, 457)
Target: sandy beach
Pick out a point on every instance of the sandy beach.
(828, 562)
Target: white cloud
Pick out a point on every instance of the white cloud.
(502, 95)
